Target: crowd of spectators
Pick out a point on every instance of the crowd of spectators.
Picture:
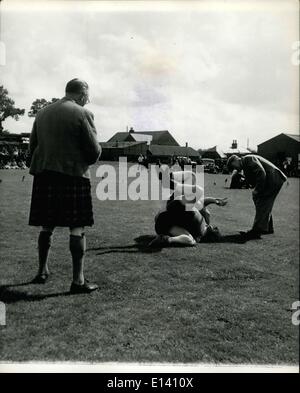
(12, 157)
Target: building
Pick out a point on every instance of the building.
(19, 140)
(214, 153)
(155, 145)
(164, 152)
(12, 142)
(153, 137)
(281, 149)
(111, 151)
(238, 150)
(218, 153)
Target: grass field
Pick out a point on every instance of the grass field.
(224, 302)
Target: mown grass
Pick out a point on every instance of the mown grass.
(224, 302)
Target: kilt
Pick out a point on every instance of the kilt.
(60, 200)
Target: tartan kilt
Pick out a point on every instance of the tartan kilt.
(60, 200)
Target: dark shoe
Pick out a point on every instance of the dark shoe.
(250, 235)
(83, 288)
(160, 241)
(40, 279)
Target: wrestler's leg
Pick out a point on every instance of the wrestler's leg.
(181, 236)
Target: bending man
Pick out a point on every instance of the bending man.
(267, 181)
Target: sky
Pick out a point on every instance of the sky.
(207, 71)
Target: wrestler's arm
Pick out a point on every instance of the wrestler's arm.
(216, 201)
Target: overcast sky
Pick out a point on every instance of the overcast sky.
(208, 72)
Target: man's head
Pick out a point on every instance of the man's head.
(78, 90)
(234, 162)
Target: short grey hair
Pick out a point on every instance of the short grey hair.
(76, 86)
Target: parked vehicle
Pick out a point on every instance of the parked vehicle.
(209, 165)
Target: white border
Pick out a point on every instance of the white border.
(161, 6)
(180, 368)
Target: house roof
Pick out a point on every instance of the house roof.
(110, 145)
(223, 153)
(294, 136)
(238, 150)
(216, 149)
(121, 137)
(142, 137)
(156, 137)
(165, 150)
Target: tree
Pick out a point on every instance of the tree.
(38, 104)
(7, 108)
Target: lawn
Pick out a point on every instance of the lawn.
(224, 302)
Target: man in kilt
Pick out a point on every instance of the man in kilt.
(63, 143)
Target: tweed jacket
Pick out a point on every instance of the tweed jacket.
(262, 174)
(64, 139)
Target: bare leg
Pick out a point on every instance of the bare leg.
(44, 244)
(181, 236)
(77, 248)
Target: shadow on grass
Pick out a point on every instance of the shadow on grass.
(141, 245)
(236, 238)
(10, 295)
(142, 242)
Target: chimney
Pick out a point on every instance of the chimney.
(186, 144)
(234, 144)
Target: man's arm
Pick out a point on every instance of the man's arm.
(33, 142)
(90, 144)
(258, 171)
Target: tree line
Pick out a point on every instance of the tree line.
(8, 108)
